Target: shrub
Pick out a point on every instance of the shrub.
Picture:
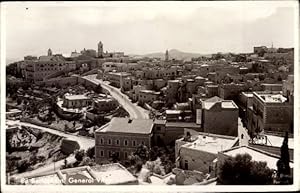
(79, 154)
(241, 170)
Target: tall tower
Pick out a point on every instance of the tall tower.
(167, 56)
(100, 49)
(49, 52)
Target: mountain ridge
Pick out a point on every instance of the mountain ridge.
(174, 54)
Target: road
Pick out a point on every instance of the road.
(134, 110)
(242, 131)
(83, 142)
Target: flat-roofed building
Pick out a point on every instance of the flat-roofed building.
(121, 137)
(197, 151)
(105, 104)
(148, 96)
(220, 116)
(271, 112)
(231, 91)
(211, 90)
(76, 101)
(108, 174)
(175, 130)
(36, 70)
(271, 87)
(117, 78)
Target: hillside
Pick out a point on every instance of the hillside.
(175, 54)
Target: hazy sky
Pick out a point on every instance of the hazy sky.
(139, 28)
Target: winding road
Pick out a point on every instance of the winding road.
(135, 111)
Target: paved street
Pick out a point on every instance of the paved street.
(242, 131)
(134, 110)
(84, 142)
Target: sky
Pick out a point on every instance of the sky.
(147, 27)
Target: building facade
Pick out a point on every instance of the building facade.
(220, 116)
(121, 137)
(271, 112)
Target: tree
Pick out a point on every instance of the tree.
(79, 154)
(90, 152)
(23, 165)
(114, 157)
(241, 170)
(283, 164)
(142, 151)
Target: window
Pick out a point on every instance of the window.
(143, 143)
(125, 142)
(102, 153)
(125, 155)
(101, 141)
(109, 141)
(133, 143)
(109, 153)
(186, 165)
(118, 142)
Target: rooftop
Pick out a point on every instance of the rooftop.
(150, 92)
(113, 174)
(270, 98)
(109, 174)
(225, 104)
(98, 100)
(174, 112)
(160, 121)
(211, 143)
(247, 94)
(126, 125)
(274, 141)
(182, 124)
(76, 97)
(120, 73)
(257, 155)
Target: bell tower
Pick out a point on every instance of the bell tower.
(100, 49)
(49, 52)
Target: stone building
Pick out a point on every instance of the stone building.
(220, 116)
(231, 91)
(271, 112)
(105, 104)
(117, 78)
(121, 137)
(76, 101)
(148, 96)
(37, 69)
(197, 151)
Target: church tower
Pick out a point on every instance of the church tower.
(49, 52)
(167, 56)
(100, 49)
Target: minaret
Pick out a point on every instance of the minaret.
(49, 52)
(167, 56)
(100, 49)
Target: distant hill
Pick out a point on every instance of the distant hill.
(175, 54)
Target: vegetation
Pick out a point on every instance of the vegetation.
(283, 165)
(242, 170)
(79, 154)
(155, 167)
